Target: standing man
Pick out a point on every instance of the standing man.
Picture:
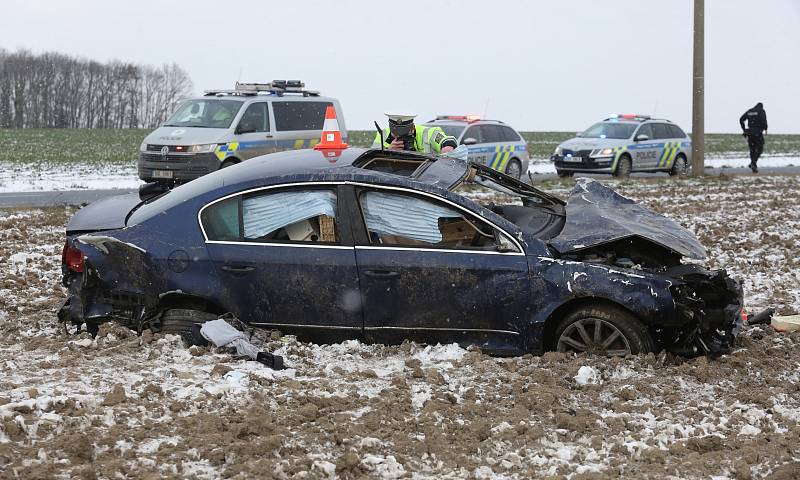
(403, 134)
(756, 119)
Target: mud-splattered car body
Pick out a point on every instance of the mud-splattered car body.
(407, 256)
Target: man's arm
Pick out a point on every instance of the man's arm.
(442, 143)
(765, 120)
(377, 142)
(742, 119)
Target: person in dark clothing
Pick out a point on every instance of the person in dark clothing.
(756, 119)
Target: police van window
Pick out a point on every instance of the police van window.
(473, 132)
(256, 117)
(661, 131)
(509, 135)
(676, 132)
(646, 130)
(394, 219)
(291, 116)
(205, 113)
(491, 133)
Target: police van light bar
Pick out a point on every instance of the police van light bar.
(628, 116)
(276, 87)
(461, 118)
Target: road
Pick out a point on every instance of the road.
(81, 197)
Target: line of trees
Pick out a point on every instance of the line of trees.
(53, 90)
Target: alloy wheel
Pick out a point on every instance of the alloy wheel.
(595, 336)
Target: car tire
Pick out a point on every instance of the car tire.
(620, 333)
(514, 169)
(624, 167)
(564, 174)
(178, 320)
(228, 163)
(679, 166)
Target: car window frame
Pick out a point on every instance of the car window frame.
(506, 128)
(364, 242)
(277, 130)
(343, 229)
(268, 113)
(666, 129)
(642, 127)
(489, 127)
(478, 137)
(679, 130)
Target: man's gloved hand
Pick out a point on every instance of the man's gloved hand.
(744, 133)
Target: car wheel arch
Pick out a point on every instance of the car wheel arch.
(229, 161)
(575, 304)
(179, 300)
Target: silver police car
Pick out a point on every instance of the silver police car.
(490, 142)
(622, 144)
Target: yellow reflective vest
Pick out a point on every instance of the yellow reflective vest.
(426, 139)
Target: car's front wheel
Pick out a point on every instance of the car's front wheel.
(624, 167)
(602, 330)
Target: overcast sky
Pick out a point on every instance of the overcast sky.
(538, 65)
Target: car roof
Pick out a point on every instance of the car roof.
(270, 97)
(440, 121)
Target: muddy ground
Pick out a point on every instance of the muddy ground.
(145, 407)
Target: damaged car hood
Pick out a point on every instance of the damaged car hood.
(597, 215)
(105, 214)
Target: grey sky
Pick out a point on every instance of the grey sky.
(540, 65)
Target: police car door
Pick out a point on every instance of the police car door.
(645, 149)
(252, 135)
(477, 152)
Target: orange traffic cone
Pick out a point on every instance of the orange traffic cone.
(331, 136)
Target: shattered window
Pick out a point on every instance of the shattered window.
(287, 216)
(297, 216)
(398, 219)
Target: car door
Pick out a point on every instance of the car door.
(476, 151)
(252, 133)
(286, 261)
(645, 152)
(668, 143)
(431, 271)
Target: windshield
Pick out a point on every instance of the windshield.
(610, 130)
(452, 130)
(205, 113)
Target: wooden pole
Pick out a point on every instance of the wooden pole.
(698, 113)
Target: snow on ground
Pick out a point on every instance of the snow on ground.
(545, 166)
(122, 405)
(27, 178)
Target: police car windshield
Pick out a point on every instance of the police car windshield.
(205, 113)
(452, 130)
(617, 130)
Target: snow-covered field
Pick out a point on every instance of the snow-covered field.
(128, 406)
(31, 178)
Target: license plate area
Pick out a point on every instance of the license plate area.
(573, 159)
(162, 173)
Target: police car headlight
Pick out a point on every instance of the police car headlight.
(602, 152)
(205, 148)
(558, 151)
(143, 147)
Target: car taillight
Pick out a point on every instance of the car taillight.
(72, 258)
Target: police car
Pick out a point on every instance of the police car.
(622, 144)
(225, 127)
(490, 142)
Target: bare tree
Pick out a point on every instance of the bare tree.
(52, 90)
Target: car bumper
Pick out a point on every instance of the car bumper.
(583, 164)
(180, 168)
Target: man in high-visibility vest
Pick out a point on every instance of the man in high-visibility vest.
(403, 134)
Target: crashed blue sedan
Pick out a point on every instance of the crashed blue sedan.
(390, 246)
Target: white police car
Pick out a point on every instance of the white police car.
(490, 142)
(622, 144)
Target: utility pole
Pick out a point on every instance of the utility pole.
(698, 113)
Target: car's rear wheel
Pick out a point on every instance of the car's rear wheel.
(178, 320)
(624, 166)
(514, 168)
(679, 167)
(602, 330)
(564, 174)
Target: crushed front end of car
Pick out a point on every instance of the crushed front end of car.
(604, 227)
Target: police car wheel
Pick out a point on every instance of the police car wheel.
(514, 169)
(679, 167)
(564, 174)
(624, 167)
(227, 163)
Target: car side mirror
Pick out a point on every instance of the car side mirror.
(469, 141)
(245, 128)
(641, 138)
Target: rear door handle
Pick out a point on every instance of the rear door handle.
(238, 269)
(384, 274)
